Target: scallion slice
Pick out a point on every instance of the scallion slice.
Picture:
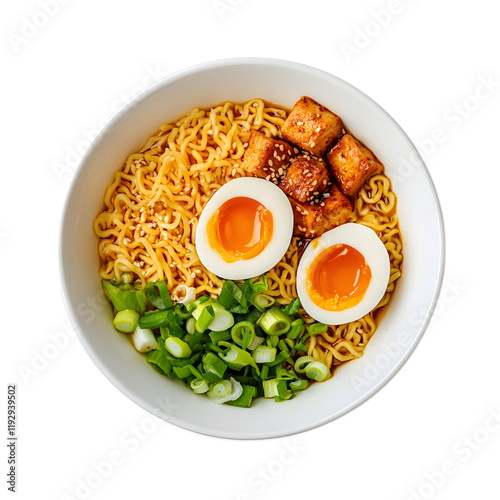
(274, 322)
(301, 363)
(298, 385)
(213, 364)
(262, 301)
(264, 354)
(126, 297)
(199, 386)
(317, 370)
(154, 319)
(225, 390)
(157, 294)
(126, 321)
(205, 318)
(243, 333)
(144, 340)
(236, 358)
(296, 329)
(177, 347)
(270, 387)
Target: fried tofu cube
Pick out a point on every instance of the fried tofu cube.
(352, 164)
(267, 157)
(306, 178)
(336, 208)
(311, 126)
(311, 221)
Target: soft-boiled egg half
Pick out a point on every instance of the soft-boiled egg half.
(244, 229)
(343, 274)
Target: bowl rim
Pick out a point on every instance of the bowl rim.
(101, 136)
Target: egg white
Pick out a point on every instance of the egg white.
(275, 200)
(366, 241)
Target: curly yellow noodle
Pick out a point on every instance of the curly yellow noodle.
(147, 227)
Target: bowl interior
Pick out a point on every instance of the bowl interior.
(282, 83)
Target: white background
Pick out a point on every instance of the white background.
(434, 430)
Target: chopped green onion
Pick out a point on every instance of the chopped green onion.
(279, 358)
(317, 328)
(259, 286)
(126, 321)
(296, 329)
(230, 295)
(188, 294)
(272, 341)
(243, 333)
(126, 278)
(199, 386)
(194, 340)
(317, 370)
(181, 311)
(190, 325)
(144, 340)
(262, 301)
(264, 372)
(298, 385)
(159, 362)
(182, 371)
(251, 316)
(264, 354)
(177, 347)
(236, 358)
(301, 363)
(154, 319)
(213, 364)
(293, 308)
(257, 341)
(204, 319)
(225, 390)
(245, 400)
(223, 319)
(157, 294)
(216, 337)
(274, 322)
(125, 298)
(270, 388)
(283, 346)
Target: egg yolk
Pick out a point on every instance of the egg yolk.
(240, 229)
(338, 278)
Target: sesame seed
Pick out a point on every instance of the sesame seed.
(280, 171)
(318, 129)
(296, 151)
(281, 147)
(283, 157)
(317, 115)
(312, 144)
(270, 162)
(300, 123)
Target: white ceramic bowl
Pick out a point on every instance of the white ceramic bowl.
(280, 82)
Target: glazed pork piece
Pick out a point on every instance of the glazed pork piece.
(311, 221)
(311, 126)
(306, 178)
(352, 164)
(267, 157)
